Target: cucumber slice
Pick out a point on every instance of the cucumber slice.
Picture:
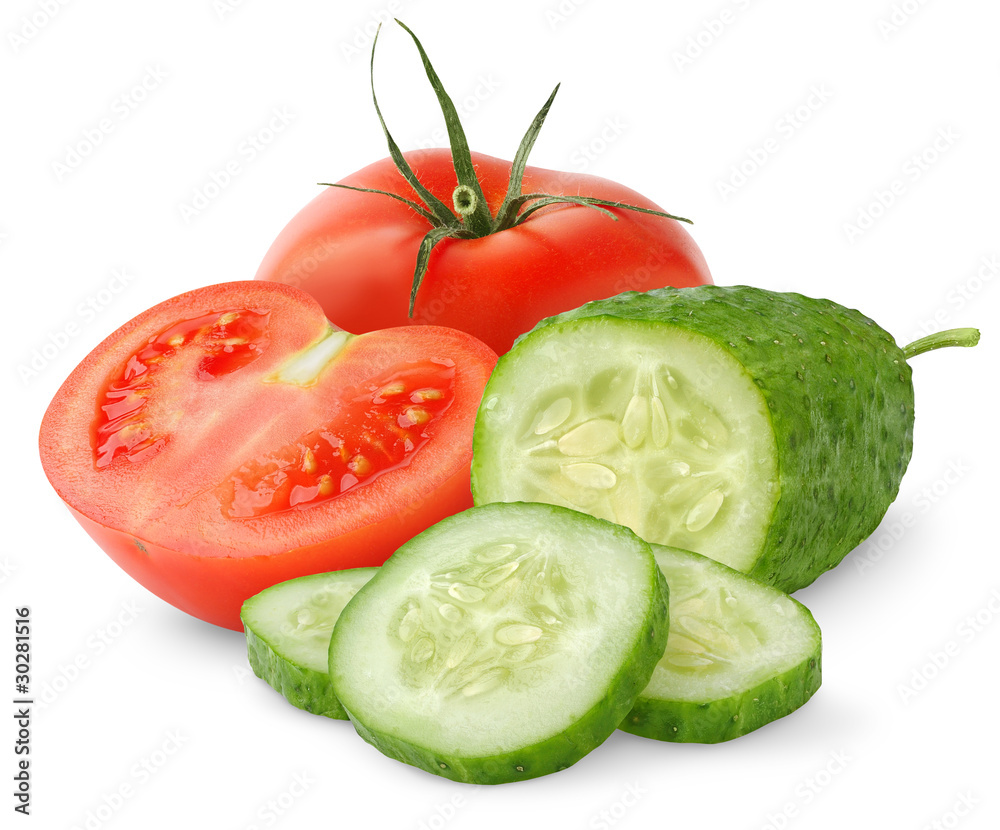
(740, 654)
(503, 643)
(768, 431)
(288, 628)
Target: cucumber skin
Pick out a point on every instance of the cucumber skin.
(558, 752)
(723, 720)
(843, 427)
(304, 688)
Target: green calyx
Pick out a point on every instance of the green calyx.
(471, 217)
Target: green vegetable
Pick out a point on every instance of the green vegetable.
(288, 628)
(768, 431)
(503, 643)
(739, 655)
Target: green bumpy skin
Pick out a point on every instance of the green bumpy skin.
(838, 396)
(288, 629)
(723, 720)
(304, 688)
(740, 655)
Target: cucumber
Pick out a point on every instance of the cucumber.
(768, 431)
(288, 628)
(739, 655)
(501, 644)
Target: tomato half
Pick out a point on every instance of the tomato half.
(230, 438)
(355, 252)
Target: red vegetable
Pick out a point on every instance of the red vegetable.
(488, 246)
(230, 438)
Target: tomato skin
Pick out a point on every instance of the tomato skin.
(213, 588)
(161, 515)
(355, 252)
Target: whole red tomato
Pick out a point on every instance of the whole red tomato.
(355, 251)
(384, 247)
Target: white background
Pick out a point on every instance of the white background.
(667, 98)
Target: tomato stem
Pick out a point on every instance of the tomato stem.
(473, 218)
(418, 208)
(443, 216)
(479, 218)
(434, 235)
(465, 200)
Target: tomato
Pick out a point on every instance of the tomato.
(355, 252)
(521, 243)
(231, 438)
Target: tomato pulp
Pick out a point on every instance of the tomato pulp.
(355, 252)
(230, 438)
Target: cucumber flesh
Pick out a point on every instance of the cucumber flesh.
(739, 655)
(652, 427)
(501, 644)
(288, 628)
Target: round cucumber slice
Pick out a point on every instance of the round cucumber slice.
(768, 431)
(288, 628)
(501, 644)
(739, 655)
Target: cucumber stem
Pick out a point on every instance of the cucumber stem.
(949, 337)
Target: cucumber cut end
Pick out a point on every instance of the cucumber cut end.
(649, 426)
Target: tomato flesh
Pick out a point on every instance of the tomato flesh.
(229, 439)
(380, 429)
(223, 341)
